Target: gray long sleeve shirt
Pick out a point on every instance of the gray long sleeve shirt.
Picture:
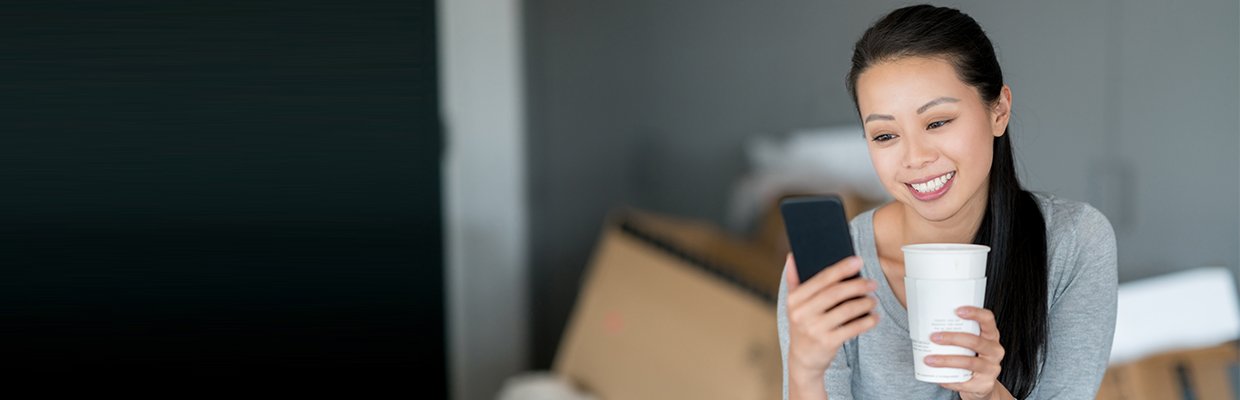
(1081, 290)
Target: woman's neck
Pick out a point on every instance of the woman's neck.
(959, 228)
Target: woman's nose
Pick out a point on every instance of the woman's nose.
(919, 152)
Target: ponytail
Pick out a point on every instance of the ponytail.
(1016, 291)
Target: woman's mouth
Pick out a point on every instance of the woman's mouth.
(933, 188)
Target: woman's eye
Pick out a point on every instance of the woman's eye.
(937, 124)
(884, 137)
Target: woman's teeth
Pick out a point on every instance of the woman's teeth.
(933, 185)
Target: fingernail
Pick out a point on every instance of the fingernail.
(856, 262)
(962, 311)
(930, 360)
(936, 337)
(872, 285)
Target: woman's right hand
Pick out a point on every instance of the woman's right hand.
(820, 318)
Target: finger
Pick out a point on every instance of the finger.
(827, 277)
(976, 384)
(955, 386)
(985, 320)
(854, 328)
(837, 294)
(836, 272)
(988, 349)
(959, 386)
(962, 339)
(976, 364)
(948, 361)
(824, 320)
(849, 310)
(790, 273)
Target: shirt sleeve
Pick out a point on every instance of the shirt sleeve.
(838, 378)
(1082, 315)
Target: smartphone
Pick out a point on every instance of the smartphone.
(817, 233)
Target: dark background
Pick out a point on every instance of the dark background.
(221, 188)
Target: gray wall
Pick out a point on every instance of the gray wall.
(1131, 106)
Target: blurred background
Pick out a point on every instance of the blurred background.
(558, 111)
(363, 190)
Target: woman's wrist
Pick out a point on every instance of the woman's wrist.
(802, 371)
(807, 390)
(999, 393)
(806, 385)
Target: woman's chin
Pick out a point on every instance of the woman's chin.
(940, 210)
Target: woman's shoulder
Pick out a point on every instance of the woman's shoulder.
(863, 218)
(1066, 218)
(1079, 239)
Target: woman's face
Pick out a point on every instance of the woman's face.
(930, 135)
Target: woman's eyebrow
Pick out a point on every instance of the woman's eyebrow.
(923, 109)
(936, 102)
(873, 117)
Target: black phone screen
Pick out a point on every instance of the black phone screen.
(817, 232)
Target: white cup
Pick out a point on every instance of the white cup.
(938, 279)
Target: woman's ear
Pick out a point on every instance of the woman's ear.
(1002, 112)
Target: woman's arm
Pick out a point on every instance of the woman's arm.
(814, 384)
(1082, 317)
(781, 311)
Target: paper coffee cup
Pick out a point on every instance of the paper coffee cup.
(938, 279)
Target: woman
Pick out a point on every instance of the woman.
(935, 113)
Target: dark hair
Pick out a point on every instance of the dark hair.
(1013, 226)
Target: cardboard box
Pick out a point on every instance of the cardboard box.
(753, 265)
(1201, 374)
(658, 319)
(756, 261)
(676, 308)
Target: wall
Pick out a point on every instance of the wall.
(484, 194)
(1128, 105)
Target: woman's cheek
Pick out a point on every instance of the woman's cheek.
(886, 169)
(894, 185)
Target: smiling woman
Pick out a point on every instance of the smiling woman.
(934, 129)
(930, 93)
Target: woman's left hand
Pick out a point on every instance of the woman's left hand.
(985, 366)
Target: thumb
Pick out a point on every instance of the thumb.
(790, 272)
